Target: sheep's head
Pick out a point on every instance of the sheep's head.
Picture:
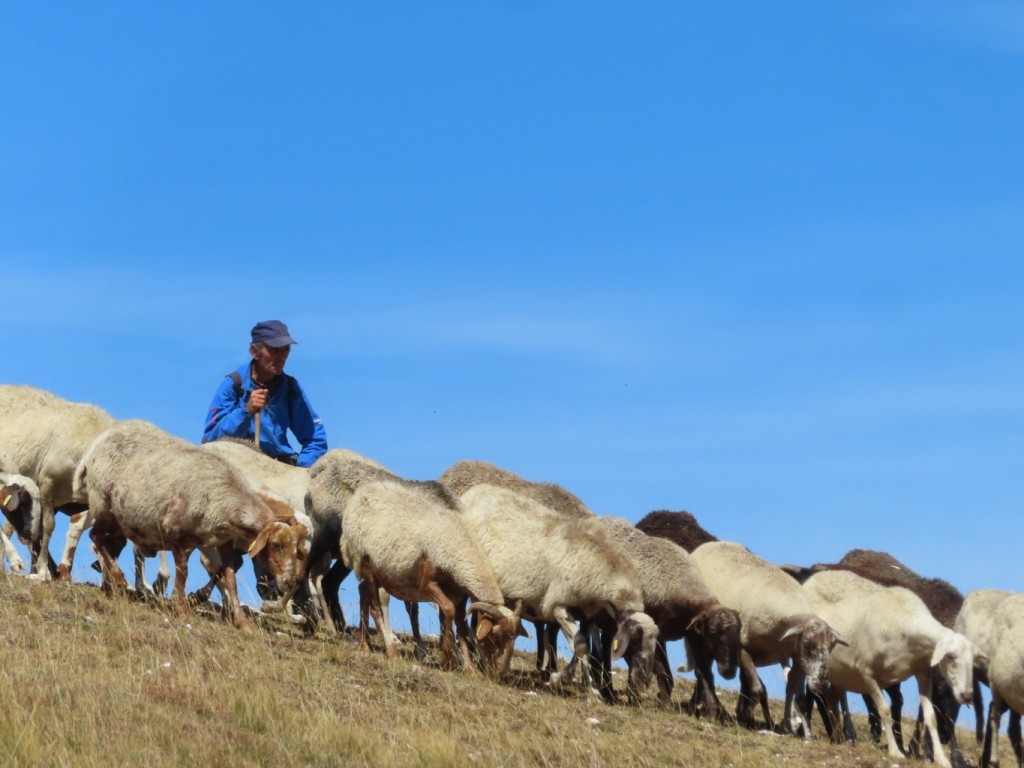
(635, 641)
(955, 656)
(815, 640)
(283, 548)
(718, 630)
(22, 509)
(497, 630)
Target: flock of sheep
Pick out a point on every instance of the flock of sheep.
(490, 550)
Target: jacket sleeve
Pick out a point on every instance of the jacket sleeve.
(307, 428)
(227, 416)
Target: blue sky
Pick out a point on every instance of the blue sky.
(759, 261)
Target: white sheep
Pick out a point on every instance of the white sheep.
(994, 621)
(164, 493)
(560, 566)
(340, 473)
(890, 636)
(46, 436)
(10, 496)
(408, 539)
(779, 626)
(19, 501)
(679, 601)
(264, 473)
(463, 475)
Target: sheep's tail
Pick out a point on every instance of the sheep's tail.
(78, 484)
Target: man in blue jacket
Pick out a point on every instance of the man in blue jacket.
(261, 386)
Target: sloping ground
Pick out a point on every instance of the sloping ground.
(91, 681)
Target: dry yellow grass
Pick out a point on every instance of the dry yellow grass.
(92, 681)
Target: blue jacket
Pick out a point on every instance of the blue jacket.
(287, 408)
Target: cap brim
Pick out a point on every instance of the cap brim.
(280, 341)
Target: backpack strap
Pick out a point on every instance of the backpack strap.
(236, 377)
(236, 380)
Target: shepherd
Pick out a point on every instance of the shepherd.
(258, 401)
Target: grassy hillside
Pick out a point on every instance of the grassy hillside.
(91, 681)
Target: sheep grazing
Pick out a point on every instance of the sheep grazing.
(46, 437)
(559, 567)
(994, 621)
(681, 528)
(288, 482)
(11, 496)
(463, 475)
(890, 635)
(944, 602)
(415, 545)
(19, 502)
(779, 625)
(681, 605)
(164, 493)
(340, 472)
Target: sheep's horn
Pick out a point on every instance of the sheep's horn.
(487, 608)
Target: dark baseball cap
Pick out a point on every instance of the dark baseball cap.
(273, 333)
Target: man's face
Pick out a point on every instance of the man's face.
(269, 360)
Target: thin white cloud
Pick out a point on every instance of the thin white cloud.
(574, 334)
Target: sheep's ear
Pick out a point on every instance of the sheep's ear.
(697, 624)
(484, 628)
(939, 654)
(300, 530)
(793, 631)
(621, 642)
(12, 498)
(837, 639)
(260, 541)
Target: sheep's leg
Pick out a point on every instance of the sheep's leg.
(752, 689)
(947, 711)
(834, 708)
(603, 638)
(109, 541)
(576, 639)
(547, 644)
(790, 723)
(874, 721)
(390, 638)
(979, 709)
(180, 575)
(708, 702)
(462, 633)
(41, 547)
(163, 574)
(211, 563)
(142, 587)
(229, 587)
(315, 571)
(663, 674)
(885, 718)
(1013, 731)
(331, 585)
(924, 685)
(367, 592)
(447, 609)
(11, 553)
(413, 609)
(76, 527)
(990, 752)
